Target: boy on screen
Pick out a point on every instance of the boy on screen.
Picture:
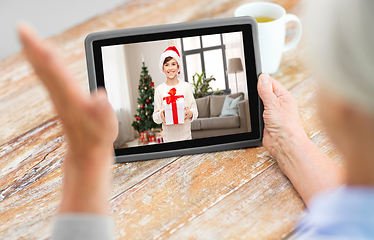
(171, 94)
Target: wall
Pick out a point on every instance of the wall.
(48, 17)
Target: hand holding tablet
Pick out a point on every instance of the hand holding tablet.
(224, 110)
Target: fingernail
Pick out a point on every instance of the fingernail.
(265, 78)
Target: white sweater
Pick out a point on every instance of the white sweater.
(175, 132)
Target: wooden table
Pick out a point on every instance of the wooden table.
(238, 194)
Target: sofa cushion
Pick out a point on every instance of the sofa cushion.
(230, 106)
(203, 107)
(235, 95)
(220, 122)
(196, 124)
(216, 103)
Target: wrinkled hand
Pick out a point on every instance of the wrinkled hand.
(281, 116)
(304, 164)
(90, 125)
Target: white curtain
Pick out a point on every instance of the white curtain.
(118, 87)
(235, 49)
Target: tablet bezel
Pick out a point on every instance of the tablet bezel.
(247, 25)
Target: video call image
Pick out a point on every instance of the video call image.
(177, 89)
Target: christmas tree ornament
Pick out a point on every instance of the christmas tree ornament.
(147, 101)
(146, 113)
(145, 88)
(143, 85)
(145, 77)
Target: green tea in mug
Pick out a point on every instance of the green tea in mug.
(261, 19)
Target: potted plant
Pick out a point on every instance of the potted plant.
(201, 85)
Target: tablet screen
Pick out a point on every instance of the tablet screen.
(209, 103)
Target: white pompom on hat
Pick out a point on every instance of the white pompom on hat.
(173, 52)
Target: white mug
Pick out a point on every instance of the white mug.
(272, 35)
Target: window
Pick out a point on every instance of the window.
(206, 54)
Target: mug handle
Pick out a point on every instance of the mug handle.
(289, 18)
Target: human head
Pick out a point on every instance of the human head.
(172, 52)
(341, 42)
(170, 67)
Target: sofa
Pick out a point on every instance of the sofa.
(210, 124)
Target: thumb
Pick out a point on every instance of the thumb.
(265, 89)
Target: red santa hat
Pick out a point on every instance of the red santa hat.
(173, 52)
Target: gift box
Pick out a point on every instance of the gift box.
(152, 139)
(144, 135)
(174, 108)
(159, 139)
(142, 141)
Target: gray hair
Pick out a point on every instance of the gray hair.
(342, 42)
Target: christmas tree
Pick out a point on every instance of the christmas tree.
(146, 89)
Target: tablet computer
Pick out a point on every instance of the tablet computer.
(180, 88)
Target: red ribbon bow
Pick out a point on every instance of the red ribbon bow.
(173, 100)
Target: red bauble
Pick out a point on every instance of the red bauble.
(152, 84)
(147, 100)
(138, 87)
(143, 85)
(142, 106)
(145, 77)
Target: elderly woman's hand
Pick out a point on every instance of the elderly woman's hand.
(90, 125)
(281, 117)
(308, 168)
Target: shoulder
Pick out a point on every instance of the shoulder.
(185, 85)
(160, 87)
(346, 206)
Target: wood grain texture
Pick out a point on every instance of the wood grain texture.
(29, 157)
(31, 179)
(246, 214)
(238, 194)
(183, 190)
